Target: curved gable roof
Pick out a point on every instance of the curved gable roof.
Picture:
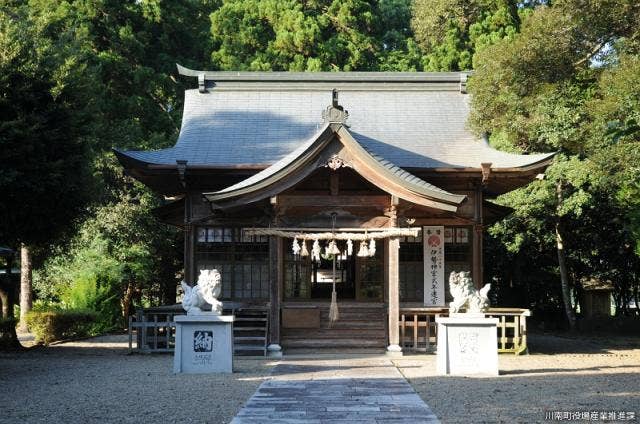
(314, 154)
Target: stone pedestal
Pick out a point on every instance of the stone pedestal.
(204, 344)
(467, 346)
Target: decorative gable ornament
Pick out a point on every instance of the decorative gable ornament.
(335, 162)
(335, 114)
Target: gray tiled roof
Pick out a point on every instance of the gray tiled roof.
(261, 124)
(277, 166)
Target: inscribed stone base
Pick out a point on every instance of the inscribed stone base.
(204, 344)
(467, 346)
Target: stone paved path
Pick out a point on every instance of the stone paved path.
(346, 390)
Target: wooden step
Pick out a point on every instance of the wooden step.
(334, 333)
(238, 328)
(355, 325)
(332, 343)
(354, 315)
(248, 347)
(249, 338)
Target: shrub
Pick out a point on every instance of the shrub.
(59, 324)
(8, 337)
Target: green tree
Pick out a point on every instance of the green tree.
(119, 256)
(547, 89)
(319, 35)
(131, 50)
(450, 32)
(42, 135)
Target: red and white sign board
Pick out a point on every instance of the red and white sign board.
(433, 242)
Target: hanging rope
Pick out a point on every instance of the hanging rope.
(333, 308)
(371, 233)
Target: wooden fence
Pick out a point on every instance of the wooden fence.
(418, 328)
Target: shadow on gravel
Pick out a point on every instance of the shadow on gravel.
(515, 398)
(563, 370)
(548, 343)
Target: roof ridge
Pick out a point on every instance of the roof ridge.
(277, 76)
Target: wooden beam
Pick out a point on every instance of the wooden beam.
(289, 201)
(334, 183)
(420, 222)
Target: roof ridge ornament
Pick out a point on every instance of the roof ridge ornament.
(463, 82)
(335, 114)
(202, 83)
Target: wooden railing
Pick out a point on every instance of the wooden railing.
(154, 329)
(418, 328)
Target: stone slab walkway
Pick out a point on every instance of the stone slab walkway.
(337, 390)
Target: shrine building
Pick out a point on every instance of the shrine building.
(291, 184)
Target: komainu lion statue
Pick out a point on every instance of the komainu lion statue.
(205, 292)
(465, 295)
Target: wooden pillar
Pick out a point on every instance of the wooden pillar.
(189, 272)
(276, 266)
(478, 229)
(393, 261)
(275, 278)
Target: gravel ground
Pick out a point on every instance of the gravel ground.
(572, 374)
(95, 381)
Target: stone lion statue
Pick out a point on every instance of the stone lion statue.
(465, 295)
(205, 292)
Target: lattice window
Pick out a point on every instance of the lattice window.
(297, 275)
(243, 261)
(411, 269)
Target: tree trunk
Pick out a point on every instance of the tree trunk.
(4, 300)
(564, 280)
(26, 296)
(127, 298)
(564, 275)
